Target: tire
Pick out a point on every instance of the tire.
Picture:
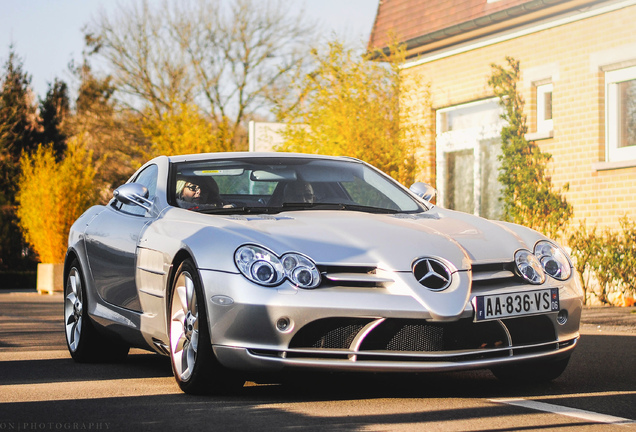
(531, 372)
(194, 365)
(83, 341)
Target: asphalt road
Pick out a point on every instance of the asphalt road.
(41, 388)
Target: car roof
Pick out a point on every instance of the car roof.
(246, 155)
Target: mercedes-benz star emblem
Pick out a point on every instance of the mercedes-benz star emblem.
(432, 274)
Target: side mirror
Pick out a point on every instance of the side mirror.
(133, 193)
(423, 190)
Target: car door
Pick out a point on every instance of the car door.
(111, 242)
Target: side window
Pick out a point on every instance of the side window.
(544, 108)
(621, 114)
(148, 178)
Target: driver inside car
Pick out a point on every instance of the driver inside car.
(299, 192)
(194, 192)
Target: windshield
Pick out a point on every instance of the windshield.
(272, 185)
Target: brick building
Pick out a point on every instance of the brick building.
(578, 78)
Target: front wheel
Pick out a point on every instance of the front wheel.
(84, 343)
(531, 372)
(193, 363)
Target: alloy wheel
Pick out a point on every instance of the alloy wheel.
(73, 309)
(184, 326)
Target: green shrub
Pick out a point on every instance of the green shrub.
(529, 198)
(606, 262)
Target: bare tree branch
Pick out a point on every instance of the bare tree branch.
(232, 60)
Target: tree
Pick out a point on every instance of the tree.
(529, 197)
(19, 122)
(113, 135)
(19, 128)
(183, 132)
(350, 105)
(54, 110)
(52, 195)
(229, 58)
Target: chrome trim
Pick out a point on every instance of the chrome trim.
(503, 274)
(430, 272)
(352, 354)
(508, 335)
(357, 341)
(356, 277)
(153, 293)
(274, 360)
(149, 270)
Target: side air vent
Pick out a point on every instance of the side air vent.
(352, 276)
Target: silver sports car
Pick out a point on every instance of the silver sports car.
(238, 263)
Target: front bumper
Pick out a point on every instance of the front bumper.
(253, 328)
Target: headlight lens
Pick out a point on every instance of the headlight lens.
(301, 271)
(553, 260)
(263, 267)
(259, 265)
(529, 267)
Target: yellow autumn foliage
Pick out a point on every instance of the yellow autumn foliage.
(184, 131)
(353, 106)
(52, 195)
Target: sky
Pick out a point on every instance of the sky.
(47, 34)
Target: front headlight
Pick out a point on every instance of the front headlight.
(263, 267)
(301, 270)
(529, 267)
(259, 265)
(553, 260)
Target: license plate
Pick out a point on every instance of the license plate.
(498, 306)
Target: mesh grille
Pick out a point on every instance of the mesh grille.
(402, 335)
(329, 333)
(417, 338)
(340, 337)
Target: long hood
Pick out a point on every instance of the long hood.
(391, 242)
(346, 238)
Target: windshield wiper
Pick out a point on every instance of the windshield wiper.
(296, 207)
(368, 209)
(240, 210)
(337, 206)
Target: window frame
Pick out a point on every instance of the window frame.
(133, 209)
(612, 79)
(544, 125)
(450, 140)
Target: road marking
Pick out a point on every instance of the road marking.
(588, 395)
(566, 411)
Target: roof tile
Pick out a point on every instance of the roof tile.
(408, 19)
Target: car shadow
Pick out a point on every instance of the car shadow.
(67, 370)
(595, 376)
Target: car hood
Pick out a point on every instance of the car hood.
(391, 243)
(388, 241)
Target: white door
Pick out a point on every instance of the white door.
(468, 145)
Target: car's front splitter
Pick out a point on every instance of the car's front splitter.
(257, 360)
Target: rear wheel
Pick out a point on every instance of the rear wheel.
(531, 372)
(84, 343)
(193, 363)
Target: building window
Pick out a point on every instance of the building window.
(468, 144)
(544, 108)
(620, 87)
